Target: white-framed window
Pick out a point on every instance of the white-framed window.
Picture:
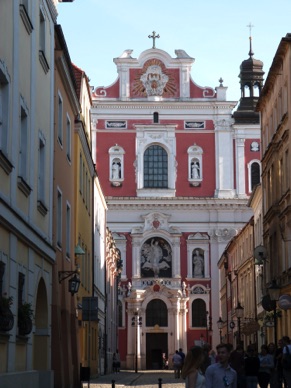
(42, 32)
(60, 118)
(23, 141)
(68, 230)
(116, 165)
(161, 141)
(42, 40)
(195, 166)
(198, 306)
(4, 107)
(25, 13)
(41, 168)
(59, 217)
(254, 173)
(81, 178)
(69, 138)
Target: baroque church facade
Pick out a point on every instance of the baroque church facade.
(177, 168)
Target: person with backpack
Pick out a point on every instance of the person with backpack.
(177, 362)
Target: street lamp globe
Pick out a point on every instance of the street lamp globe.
(239, 310)
(220, 323)
(274, 291)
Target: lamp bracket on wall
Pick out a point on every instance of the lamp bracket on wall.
(66, 274)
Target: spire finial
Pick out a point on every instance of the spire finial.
(250, 25)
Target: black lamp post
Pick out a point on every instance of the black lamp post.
(274, 292)
(220, 324)
(239, 312)
(135, 322)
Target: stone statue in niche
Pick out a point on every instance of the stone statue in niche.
(195, 170)
(116, 170)
(156, 258)
(198, 264)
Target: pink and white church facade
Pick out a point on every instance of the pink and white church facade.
(177, 171)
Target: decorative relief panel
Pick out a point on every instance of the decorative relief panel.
(154, 80)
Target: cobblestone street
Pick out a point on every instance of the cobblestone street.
(146, 379)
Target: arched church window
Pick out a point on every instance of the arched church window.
(195, 165)
(257, 90)
(120, 314)
(156, 258)
(247, 90)
(199, 315)
(255, 173)
(116, 165)
(156, 117)
(198, 263)
(254, 168)
(155, 167)
(157, 313)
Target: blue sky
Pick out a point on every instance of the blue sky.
(213, 32)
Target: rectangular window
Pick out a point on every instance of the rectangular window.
(68, 230)
(60, 119)
(69, 138)
(4, 111)
(23, 143)
(59, 218)
(81, 174)
(41, 31)
(41, 170)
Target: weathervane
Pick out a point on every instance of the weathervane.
(154, 37)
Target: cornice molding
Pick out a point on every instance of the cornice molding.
(122, 203)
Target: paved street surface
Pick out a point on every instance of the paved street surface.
(145, 379)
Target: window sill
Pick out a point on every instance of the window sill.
(41, 207)
(43, 61)
(23, 186)
(5, 163)
(25, 18)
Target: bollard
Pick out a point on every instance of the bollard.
(113, 384)
(160, 383)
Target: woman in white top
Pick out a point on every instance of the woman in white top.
(191, 370)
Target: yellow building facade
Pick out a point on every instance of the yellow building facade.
(27, 254)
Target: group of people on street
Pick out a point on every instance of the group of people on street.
(236, 368)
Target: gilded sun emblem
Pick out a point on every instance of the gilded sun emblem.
(154, 80)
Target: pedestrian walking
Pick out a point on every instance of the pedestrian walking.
(272, 352)
(221, 374)
(266, 366)
(237, 362)
(278, 364)
(252, 366)
(286, 355)
(177, 362)
(182, 354)
(116, 362)
(191, 371)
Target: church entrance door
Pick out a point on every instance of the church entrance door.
(156, 346)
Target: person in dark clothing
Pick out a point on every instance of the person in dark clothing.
(236, 361)
(182, 354)
(207, 361)
(278, 365)
(252, 366)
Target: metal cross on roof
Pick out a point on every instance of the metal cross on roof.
(154, 37)
(250, 25)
